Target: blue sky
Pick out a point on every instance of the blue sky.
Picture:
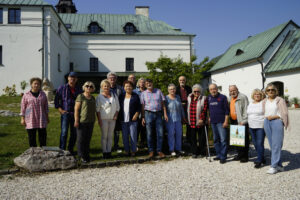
(216, 23)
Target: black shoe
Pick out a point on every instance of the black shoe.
(217, 158)
(244, 160)
(238, 157)
(104, 155)
(109, 156)
(194, 156)
(222, 161)
(258, 165)
(200, 156)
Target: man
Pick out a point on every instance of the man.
(116, 89)
(183, 91)
(65, 101)
(132, 79)
(238, 116)
(219, 115)
(152, 101)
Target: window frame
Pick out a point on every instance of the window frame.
(130, 28)
(1, 15)
(94, 26)
(94, 64)
(59, 28)
(15, 17)
(1, 55)
(58, 63)
(129, 64)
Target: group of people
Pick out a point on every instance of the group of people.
(142, 111)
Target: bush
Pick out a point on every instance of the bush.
(295, 100)
(23, 85)
(10, 91)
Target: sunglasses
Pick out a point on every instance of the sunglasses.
(89, 86)
(196, 91)
(268, 90)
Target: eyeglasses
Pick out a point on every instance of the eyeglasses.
(269, 90)
(196, 91)
(89, 86)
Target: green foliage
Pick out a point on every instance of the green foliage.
(295, 100)
(23, 85)
(166, 70)
(10, 91)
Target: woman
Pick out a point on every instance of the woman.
(84, 115)
(175, 114)
(197, 111)
(276, 118)
(130, 108)
(256, 125)
(107, 105)
(34, 113)
(141, 131)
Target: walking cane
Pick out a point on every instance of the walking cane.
(207, 143)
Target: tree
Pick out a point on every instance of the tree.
(166, 70)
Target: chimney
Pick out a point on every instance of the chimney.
(142, 10)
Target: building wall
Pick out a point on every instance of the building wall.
(112, 51)
(21, 47)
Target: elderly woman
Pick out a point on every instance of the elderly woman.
(34, 113)
(256, 125)
(197, 111)
(107, 105)
(130, 108)
(276, 118)
(175, 114)
(85, 115)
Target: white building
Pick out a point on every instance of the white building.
(37, 40)
(272, 56)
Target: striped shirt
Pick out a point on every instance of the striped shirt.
(152, 101)
(35, 110)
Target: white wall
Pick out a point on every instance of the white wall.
(112, 51)
(21, 43)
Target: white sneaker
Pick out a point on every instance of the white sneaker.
(280, 168)
(173, 154)
(272, 170)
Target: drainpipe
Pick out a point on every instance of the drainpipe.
(190, 37)
(262, 74)
(43, 43)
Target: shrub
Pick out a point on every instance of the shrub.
(23, 85)
(10, 91)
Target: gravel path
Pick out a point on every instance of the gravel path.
(178, 179)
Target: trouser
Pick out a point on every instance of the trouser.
(84, 135)
(274, 130)
(154, 119)
(32, 136)
(258, 140)
(107, 130)
(129, 130)
(242, 151)
(67, 120)
(198, 141)
(174, 135)
(141, 133)
(220, 140)
(117, 134)
(188, 128)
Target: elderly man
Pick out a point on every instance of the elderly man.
(65, 101)
(238, 116)
(219, 115)
(152, 101)
(183, 91)
(132, 79)
(117, 90)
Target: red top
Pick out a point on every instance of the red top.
(183, 94)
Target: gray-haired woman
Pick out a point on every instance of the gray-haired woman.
(197, 112)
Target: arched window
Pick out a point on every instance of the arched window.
(129, 28)
(239, 52)
(95, 28)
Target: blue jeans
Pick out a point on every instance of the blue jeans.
(274, 132)
(174, 135)
(220, 138)
(154, 118)
(129, 129)
(258, 139)
(67, 120)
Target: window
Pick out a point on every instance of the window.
(129, 28)
(129, 64)
(239, 52)
(69, 26)
(95, 28)
(93, 64)
(14, 16)
(1, 15)
(0, 55)
(58, 63)
(59, 28)
(71, 67)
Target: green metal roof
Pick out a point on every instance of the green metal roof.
(249, 49)
(288, 55)
(24, 2)
(113, 24)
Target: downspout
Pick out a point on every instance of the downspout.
(190, 37)
(43, 43)
(262, 74)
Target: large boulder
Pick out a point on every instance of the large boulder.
(37, 159)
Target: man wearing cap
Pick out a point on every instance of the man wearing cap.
(153, 108)
(65, 102)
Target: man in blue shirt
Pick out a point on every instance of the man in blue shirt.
(219, 115)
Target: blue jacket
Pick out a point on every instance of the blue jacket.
(134, 105)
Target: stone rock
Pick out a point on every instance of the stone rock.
(36, 159)
(8, 113)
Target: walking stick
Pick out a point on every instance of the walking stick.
(207, 143)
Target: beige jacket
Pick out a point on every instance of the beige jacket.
(241, 105)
